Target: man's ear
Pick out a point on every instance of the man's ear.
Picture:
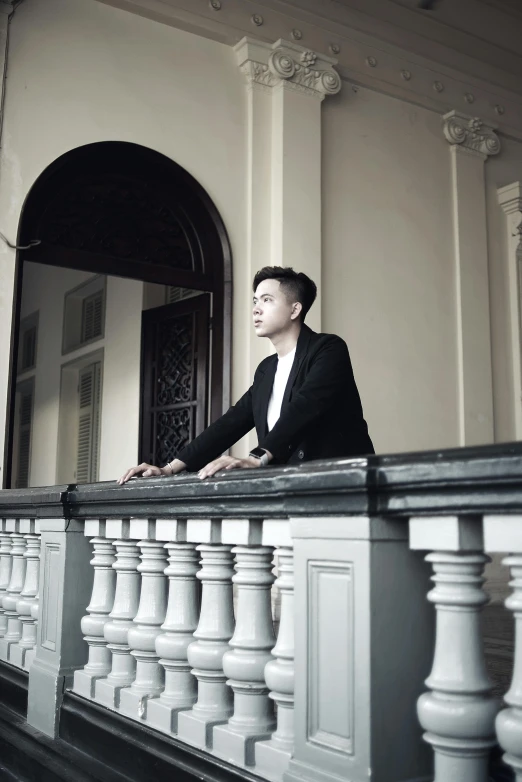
(296, 310)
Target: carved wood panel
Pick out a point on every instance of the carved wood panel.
(174, 370)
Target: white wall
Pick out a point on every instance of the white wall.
(43, 290)
(81, 72)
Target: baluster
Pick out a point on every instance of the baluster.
(102, 600)
(6, 560)
(146, 627)
(116, 631)
(9, 600)
(509, 721)
(180, 691)
(244, 665)
(18, 653)
(458, 714)
(205, 655)
(35, 610)
(272, 756)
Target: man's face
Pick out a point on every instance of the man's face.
(272, 313)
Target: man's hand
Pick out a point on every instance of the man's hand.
(145, 470)
(228, 463)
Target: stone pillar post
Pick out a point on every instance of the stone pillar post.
(356, 582)
(60, 649)
(472, 142)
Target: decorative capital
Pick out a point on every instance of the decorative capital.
(510, 198)
(283, 62)
(471, 134)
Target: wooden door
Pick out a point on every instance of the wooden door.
(175, 361)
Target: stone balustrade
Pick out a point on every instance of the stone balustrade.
(374, 669)
(19, 579)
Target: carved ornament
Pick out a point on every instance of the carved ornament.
(471, 134)
(286, 63)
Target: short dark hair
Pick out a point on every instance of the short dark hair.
(295, 285)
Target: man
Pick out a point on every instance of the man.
(303, 402)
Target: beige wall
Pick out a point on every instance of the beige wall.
(388, 285)
(81, 72)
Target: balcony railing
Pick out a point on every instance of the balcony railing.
(155, 601)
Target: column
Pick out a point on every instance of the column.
(244, 664)
(272, 757)
(205, 654)
(93, 624)
(180, 623)
(19, 653)
(16, 584)
(458, 713)
(355, 674)
(472, 142)
(5, 571)
(504, 533)
(510, 199)
(60, 649)
(116, 631)
(149, 680)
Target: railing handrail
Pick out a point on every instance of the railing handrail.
(459, 480)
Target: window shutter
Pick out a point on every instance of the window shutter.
(28, 348)
(24, 439)
(175, 294)
(92, 317)
(89, 392)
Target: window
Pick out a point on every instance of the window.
(27, 343)
(89, 398)
(84, 314)
(92, 317)
(22, 445)
(175, 294)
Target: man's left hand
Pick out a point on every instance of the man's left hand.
(227, 463)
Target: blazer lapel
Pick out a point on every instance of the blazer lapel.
(301, 350)
(264, 393)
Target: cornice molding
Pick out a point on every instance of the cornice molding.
(371, 52)
(284, 63)
(470, 134)
(510, 198)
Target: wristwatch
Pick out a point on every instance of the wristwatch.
(261, 454)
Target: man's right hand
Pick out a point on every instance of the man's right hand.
(145, 470)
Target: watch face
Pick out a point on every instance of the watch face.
(257, 452)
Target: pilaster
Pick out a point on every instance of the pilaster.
(510, 199)
(471, 143)
(286, 84)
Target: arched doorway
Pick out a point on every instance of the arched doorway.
(120, 209)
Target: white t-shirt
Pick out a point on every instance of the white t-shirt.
(284, 366)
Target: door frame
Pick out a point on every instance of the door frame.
(216, 277)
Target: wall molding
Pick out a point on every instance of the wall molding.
(410, 64)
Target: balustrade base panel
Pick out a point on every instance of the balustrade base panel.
(271, 761)
(164, 717)
(136, 751)
(108, 694)
(5, 649)
(85, 683)
(198, 730)
(18, 656)
(134, 704)
(236, 747)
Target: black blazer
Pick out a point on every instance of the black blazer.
(321, 414)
